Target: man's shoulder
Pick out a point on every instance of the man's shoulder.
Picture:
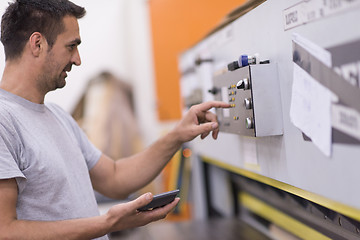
(7, 106)
(7, 119)
(5, 110)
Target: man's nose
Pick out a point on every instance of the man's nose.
(76, 58)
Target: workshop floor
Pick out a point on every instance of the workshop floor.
(215, 229)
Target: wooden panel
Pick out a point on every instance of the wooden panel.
(177, 25)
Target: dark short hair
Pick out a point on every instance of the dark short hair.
(24, 17)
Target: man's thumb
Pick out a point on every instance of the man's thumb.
(143, 200)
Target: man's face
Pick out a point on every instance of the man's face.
(59, 60)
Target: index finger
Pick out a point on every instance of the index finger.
(216, 104)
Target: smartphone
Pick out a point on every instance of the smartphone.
(160, 200)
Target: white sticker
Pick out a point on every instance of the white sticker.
(250, 154)
(310, 109)
(225, 98)
(311, 10)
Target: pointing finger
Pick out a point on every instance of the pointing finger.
(208, 105)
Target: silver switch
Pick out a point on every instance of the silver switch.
(249, 123)
(243, 84)
(248, 103)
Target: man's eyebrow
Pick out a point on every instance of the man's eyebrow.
(75, 41)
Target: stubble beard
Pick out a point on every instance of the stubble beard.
(50, 80)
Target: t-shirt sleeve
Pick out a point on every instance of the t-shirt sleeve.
(9, 157)
(90, 152)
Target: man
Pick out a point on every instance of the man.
(48, 168)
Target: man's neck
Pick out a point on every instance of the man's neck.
(20, 80)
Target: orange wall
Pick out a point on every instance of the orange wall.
(177, 25)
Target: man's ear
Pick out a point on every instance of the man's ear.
(37, 43)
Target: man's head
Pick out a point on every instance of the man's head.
(24, 17)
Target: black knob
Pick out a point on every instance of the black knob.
(199, 61)
(214, 90)
(233, 66)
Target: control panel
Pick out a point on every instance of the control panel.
(254, 95)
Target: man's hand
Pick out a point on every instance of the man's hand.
(199, 121)
(124, 216)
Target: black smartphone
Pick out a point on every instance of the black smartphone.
(160, 200)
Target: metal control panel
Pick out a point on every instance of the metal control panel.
(254, 94)
(328, 38)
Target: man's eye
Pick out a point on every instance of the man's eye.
(72, 47)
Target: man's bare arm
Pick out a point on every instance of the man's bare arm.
(120, 178)
(119, 217)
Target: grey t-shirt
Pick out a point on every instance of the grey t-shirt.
(43, 148)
